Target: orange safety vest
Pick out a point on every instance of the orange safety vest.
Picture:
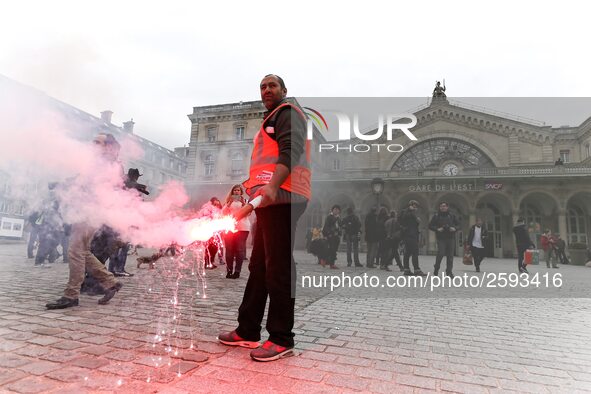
(264, 159)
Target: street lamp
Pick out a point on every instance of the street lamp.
(377, 187)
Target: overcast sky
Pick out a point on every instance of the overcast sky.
(154, 61)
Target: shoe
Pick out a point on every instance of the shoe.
(229, 275)
(477, 269)
(436, 273)
(236, 275)
(127, 274)
(371, 266)
(358, 265)
(62, 303)
(270, 351)
(110, 293)
(349, 264)
(523, 270)
(233, 339)
(334, 267)
(211, 267)
(407, 273)
(385, 269)
(419, 273)
(451, 275)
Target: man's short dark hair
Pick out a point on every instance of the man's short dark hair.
(336, 206)
(281, 83)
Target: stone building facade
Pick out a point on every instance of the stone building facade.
(484, 164)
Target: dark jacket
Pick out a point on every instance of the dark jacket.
(483, 235)
(381, 227)
(446, 220)
(371, 228)
(409, 224)
(393, 229)
(332, 227)
(522, 239)
(351, 225)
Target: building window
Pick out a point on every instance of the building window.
(576, 226)
(209, 165)
(336, 164)
(211, 134)
(588, 149)
(565, 156)
(239, 133)
(237, 164)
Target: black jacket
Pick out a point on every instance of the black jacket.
(483, 235)
(445, 220)
(522, 239)
(409, 224)
(332, 226)
(351, 225)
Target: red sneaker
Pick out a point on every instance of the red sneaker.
(233, 339)
(270, 351)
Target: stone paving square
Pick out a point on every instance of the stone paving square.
(348, 340)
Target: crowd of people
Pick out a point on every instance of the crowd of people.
(388, 235)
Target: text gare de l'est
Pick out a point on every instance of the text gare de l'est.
(393, 122)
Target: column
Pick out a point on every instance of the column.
(562, 228)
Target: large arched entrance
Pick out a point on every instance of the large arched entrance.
(539, 210)
(495, 212)
(578, 210)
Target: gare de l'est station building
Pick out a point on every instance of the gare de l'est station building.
(482, 162)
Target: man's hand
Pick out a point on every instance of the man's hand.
(269, 194)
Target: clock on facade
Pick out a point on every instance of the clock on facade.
(450, 169)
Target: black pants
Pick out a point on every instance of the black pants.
(445, 247)
(272, 274)
(520, 256)
(352, 246)
(478, 255)
(411, 249)
(333, 247)
(394, 244)
(235, 250)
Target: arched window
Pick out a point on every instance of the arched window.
(433, 153)
(576, 225)
(533, 221)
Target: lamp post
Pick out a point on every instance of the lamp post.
(377, 187)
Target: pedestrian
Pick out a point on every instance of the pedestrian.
(33, 234)
(280, 173)
(235, 243)
(444, 224)
(50, 226)
(383, 244)
(332, 233)
(351, 235)
(523, 243)
(409, 227)
(548, 242)
(80, 257)
(476, 238)
(561, 250)
(372, 237)
(212, 246)
(393, 236)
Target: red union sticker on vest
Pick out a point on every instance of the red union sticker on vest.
(264, 176)
(270, 130)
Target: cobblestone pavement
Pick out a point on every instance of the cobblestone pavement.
(350, 340)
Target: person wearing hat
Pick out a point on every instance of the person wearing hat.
(80, 258)
(409, 224)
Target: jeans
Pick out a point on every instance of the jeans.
(372, 252)
(333, 246)
(272, 275)
(411, 250)
(352, 246)
(32, 238)
(445, 247)
(478, 255)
